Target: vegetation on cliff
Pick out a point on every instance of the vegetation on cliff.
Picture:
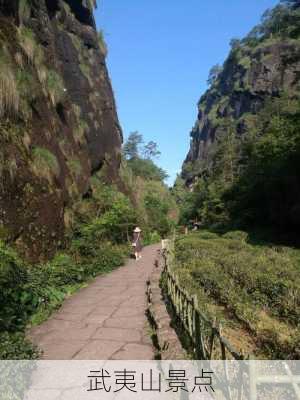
(58, 118)
(243, 167)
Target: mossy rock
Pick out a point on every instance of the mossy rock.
(45, 163)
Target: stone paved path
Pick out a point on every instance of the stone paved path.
(104, 321)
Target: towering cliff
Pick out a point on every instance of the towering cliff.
(263, 66)
(58, 124)
(243, 163)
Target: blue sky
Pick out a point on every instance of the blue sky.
(160, 53)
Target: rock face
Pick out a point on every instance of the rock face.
(250, 76)
(58, 125)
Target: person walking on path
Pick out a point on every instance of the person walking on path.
(137, 242)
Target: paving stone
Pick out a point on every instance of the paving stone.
(61, 351)
(70, 335)
(99, 350)
(103, 309)
(129, 311)
(79, 311)
(119, 334)
(54, 324)
(66, 316)
(123, 322)
(133, 351)
(95, 319)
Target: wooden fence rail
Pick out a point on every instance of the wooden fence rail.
(209, 343)
(206, 336)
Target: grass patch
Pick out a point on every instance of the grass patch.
(9, 94)
(77, 110)
(28, 42)
(55, 87)
(80, 130)
(253, 290)
(75, 167)
(45, 163)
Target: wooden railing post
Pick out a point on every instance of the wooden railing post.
(198, 342)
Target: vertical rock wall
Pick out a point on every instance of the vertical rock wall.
(58, 123)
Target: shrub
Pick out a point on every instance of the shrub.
(63, 270)
(151, 238)
(157, 212)
(112, 224)
(13, 277)
(237, 235)
(206, 235)
(107, 258)
(146, 169)
(15, 346)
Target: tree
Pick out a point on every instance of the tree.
(214, 73)
(131, 148)
(151, 151)
(278, 21)
(147, 169)
(253, 37)
(157, 211)
(226, 157)
(140, 160)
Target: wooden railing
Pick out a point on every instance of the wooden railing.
(206, 336)
(209, 344)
